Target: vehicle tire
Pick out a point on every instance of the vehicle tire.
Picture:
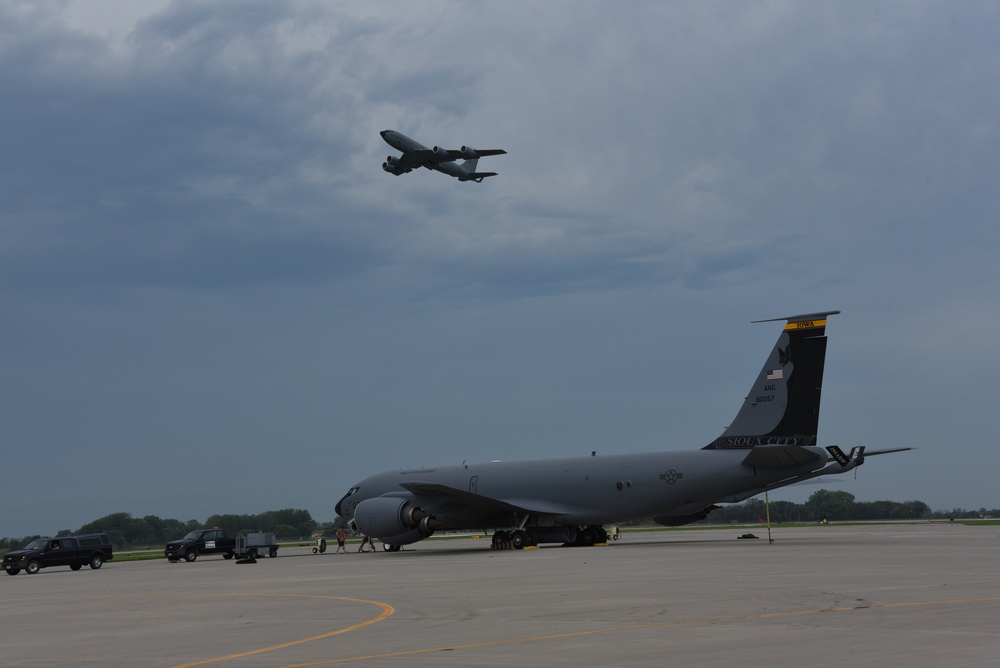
(75, 567)
(227, 555)
(13, 571)
(191, 555)
(33, 567)
(273, 552)
(96, 561)
(518, 540)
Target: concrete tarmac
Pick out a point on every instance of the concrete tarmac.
(901, 595)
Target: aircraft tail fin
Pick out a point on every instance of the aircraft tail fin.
(782, 407)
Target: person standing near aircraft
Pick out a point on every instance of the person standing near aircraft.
(341, 538)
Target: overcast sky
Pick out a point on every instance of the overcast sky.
(214, 300)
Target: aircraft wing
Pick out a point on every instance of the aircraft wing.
(457, 154)
(425, 155)
(434, 494)
(450, 501)
(409, 160)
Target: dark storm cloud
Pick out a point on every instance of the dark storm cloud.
(202, 262)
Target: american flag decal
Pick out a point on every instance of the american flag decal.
(777, 374)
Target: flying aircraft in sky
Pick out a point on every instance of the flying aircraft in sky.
(442, 159)
(771, 443)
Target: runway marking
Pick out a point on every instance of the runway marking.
(386, 611)
(692, 622)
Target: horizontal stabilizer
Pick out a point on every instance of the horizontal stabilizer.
(780, 456)
(479, 176)
(858, 454)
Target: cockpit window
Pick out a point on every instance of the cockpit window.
(350, 492)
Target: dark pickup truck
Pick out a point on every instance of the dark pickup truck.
(201, 541)
(73, 551)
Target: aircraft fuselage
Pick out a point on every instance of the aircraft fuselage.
(585, 490)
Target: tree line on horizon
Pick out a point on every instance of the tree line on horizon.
(126, 531)
(836, 506)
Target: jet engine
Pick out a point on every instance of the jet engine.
(392, 166)
(394, 520)
(468, 153)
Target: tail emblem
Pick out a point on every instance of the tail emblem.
(785, 355)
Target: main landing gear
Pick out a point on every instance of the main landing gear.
(569, 536)
(513, 540)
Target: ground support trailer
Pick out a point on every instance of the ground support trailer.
(253, 545)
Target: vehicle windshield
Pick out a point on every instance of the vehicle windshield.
(193, 535)
(39, 544)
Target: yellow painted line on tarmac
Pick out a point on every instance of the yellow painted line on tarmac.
(386, 611)
(641, 627)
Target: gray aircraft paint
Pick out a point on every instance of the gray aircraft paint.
(770, 444)
(439, 159)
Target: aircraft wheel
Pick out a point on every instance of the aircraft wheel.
(519, 539)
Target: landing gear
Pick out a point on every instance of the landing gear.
(521, 538)
(502, 540)
(588, 536)
(513, 540)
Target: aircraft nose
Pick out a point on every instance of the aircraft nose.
(383, 133)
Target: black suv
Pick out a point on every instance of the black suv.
(74, 551)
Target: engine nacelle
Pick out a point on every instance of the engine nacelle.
(393, 166)
(393, 520)
(468, 153)
(437, 150)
